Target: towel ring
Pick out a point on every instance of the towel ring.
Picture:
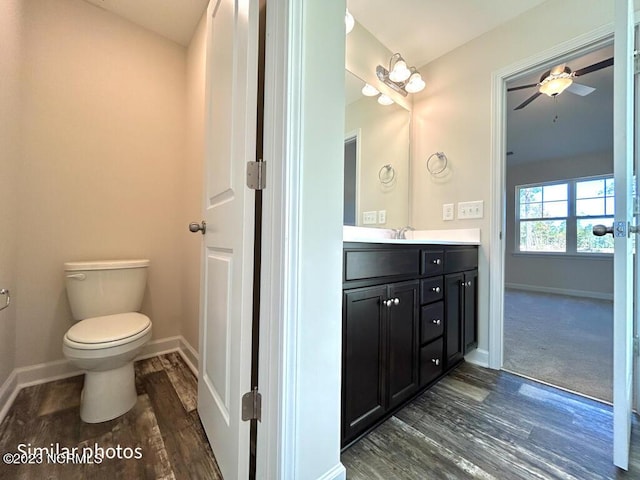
(433, 170)
(390, 174)
(5, 291)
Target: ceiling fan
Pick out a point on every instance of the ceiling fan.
(560, 78)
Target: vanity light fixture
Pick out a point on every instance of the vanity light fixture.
(369, 90)
(349, 21)
(399, 77)
(385, 99)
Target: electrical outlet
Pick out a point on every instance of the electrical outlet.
(369, 218)
(468, 210)
(447, 211)
(382, 216)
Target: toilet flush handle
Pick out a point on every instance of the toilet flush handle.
(77, 276)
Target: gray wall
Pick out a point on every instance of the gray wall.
(554, 273)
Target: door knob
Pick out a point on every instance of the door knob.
(601, 230)
(198, 227)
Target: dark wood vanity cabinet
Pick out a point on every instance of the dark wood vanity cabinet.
(407, 320)
(380, 341)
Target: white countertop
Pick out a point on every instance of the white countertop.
(466, 236)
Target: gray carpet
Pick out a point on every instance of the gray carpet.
(561, 340)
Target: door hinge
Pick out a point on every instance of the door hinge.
(252, 405)
(636, 347)
(636, 62)
(636, 205)
(257, 175)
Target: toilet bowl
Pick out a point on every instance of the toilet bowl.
(104, 298)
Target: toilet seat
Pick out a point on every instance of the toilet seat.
(107, 331)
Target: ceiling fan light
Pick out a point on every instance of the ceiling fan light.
(415, 83)
(349, 21)
(385, 100)
(369, 90)
(553, 86)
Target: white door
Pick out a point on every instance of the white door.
(623, 257)
(224, 366)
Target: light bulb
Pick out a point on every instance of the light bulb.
(349, 21)
(415, 83)
(385, 100)
(369, 90)
(400, 72)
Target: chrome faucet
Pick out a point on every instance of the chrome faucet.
(401, 233)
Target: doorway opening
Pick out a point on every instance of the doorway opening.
(558, 276)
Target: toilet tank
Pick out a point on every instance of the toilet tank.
(98, 288)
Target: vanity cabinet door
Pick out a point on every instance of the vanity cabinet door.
(470, 310)
(453, 311)
(364, 346)
(403, 332)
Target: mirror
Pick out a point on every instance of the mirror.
(376, 176)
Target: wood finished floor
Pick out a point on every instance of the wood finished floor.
(164, 423)
(474, 424)
(484, 424)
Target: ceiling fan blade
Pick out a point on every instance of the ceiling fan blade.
(558, 69)
(522, 87)
(528, 101)
(580, 89)
(596, 66)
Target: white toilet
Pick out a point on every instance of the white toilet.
(105, 297)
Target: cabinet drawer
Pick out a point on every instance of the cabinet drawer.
(431, 322)
(431, 364)
(461, 259)
(431, 289)
(361, 264)
(432, 262)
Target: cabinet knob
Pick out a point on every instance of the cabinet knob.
(435, 289)
(387, 303)
(469, 283)
(436, 321)
(396, 301)
(437, 261)
(436, 361)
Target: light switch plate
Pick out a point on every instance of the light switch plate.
(382, 216)
(369, 218)
(447, 211)
(467, 210)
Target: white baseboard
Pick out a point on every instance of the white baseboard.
(478, 357)
(189, 355)
(58, 369)
(560, 291)
(338, 472)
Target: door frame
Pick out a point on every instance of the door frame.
(301, 293)
(357, 136)
(498, 199)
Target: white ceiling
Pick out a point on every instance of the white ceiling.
(173, 19)
(423, 30)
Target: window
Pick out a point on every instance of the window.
(594, 205)
(558, 217)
